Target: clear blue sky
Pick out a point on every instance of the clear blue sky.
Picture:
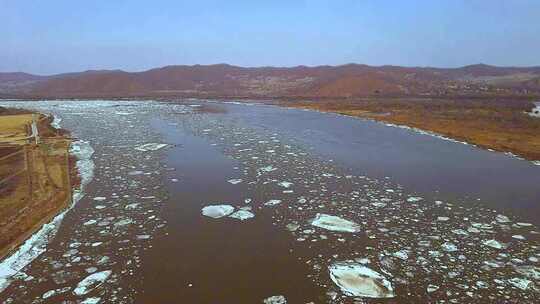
(53, 36)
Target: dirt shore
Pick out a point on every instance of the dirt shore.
(493, 124)
(36, 177)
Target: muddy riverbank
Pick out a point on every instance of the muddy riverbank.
(37, 175)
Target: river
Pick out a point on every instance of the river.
(294, 199)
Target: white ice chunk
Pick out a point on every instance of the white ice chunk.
(217, 211)
(520, 283)
(268, 169)
(494, 244)
(432, 288)
(285, 184)
(91, 282)
(502, 218)
(242, 215)
(402, 254)
(94, 300)
(150, 147)
(235, 181)
(272, 202)
(357, 280)
(414, 199)
(275, 300)
(449, 247)
(334, 223)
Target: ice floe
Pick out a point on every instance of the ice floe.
(334, 223)
(494, 244)
(242, 215)
(217, 211)
(285, 184)
(357, 280)
(275, 300)
(235, 181)
(91, 282)
(272, 202)
(150, 147)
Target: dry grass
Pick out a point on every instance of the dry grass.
(498, 125)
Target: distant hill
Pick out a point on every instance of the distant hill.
(222, 80)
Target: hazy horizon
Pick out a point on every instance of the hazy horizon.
(266, 66)
(59, 37)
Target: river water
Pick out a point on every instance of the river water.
(303, 195)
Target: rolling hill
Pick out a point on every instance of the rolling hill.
(222, 80)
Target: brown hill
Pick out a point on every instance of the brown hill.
(351, 80)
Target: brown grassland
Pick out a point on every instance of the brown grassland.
(500, 125)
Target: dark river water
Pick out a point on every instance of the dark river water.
(261, 204)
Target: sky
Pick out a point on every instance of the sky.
(56, 36)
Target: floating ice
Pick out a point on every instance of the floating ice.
(242, 215)
(235, 181)
(217, 211)
(334, 223)
(268, 169)
(94, 300)
(414, 199)
(91, 282)
(285, 184)
(358, 280)
(275, 300)
(150, 147)
(292, 227)
(402, 254)
(529, 271)
(272, 202)
(432, 288)
(494, 244)
(502, 219)
(520, 283)
(449, 247)
(54, 292)
(89, 222)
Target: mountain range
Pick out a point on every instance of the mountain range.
(223, 80)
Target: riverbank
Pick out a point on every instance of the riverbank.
(37, 175)
(498, 125)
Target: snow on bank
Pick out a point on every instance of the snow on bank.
(37, 243)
